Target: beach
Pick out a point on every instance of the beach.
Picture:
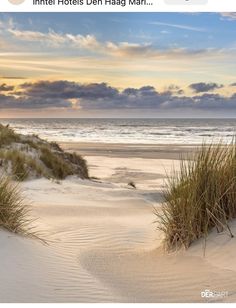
(102, 242)
(117, 153)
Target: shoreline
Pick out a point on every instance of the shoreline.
(131, 150)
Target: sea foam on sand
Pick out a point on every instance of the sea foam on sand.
(104, 247)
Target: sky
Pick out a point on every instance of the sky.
(118, 65)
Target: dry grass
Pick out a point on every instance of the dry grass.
(21, 165)
(200, 197)
(13, 210)
(16, 162)
(7, 135)
(56, 165)
(23, 157)
(79, 163)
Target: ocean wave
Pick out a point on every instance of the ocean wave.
(156, 131)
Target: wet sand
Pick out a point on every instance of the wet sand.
(125, 150)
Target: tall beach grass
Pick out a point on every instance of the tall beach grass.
(14, 212)
(200, 196)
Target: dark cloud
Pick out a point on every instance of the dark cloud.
(174, 89)
(233, 84)
(67, 90)
(12, 102)
(66, 94)
(4, 87)
(205, 87)
(12, 77)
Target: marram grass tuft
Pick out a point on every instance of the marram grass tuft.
(14, 213)
(200, 196)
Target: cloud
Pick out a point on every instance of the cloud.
(174, 89)
(178, 26)
(145, 50)
(65, 94)
(204, 87)
(32, 103)
(4, 87)
(233, 84)
(89, 42)
(12, 77)
(215, 101)
(55, 39)
(129, 49)
(67, 90)
(229, 15)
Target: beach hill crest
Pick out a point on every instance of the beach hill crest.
(24, 157)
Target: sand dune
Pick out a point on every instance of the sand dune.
(103, 245)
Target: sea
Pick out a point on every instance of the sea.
(136, 131)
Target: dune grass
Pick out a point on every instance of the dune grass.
(80, 164)
(17, 163)
(59, 168)
(23, 157)
(21, 165)
(7, 135)
(200, 197)
(13, 210)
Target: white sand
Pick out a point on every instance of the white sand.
(103, 246)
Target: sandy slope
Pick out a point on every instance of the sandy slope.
(103, 246)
